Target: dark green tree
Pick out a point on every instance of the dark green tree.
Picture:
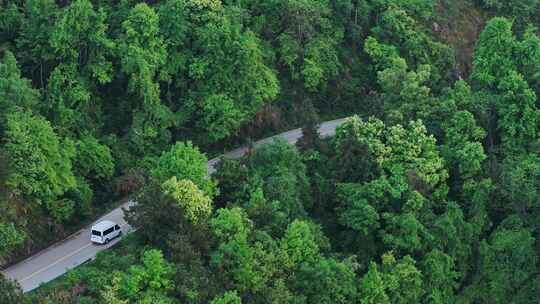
(326, 281)
(497, 71)
(507, 260)
(143, 55)
(278, 169)
(80, 37)
(33, 44)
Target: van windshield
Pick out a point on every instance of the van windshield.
(95, 232)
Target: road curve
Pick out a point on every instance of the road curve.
(77, 249)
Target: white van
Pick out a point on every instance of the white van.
(105, 231)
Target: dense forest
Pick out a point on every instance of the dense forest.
(428, 193)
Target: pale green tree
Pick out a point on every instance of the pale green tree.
(151, 278)
(110, 293)
(196, 205)
(184, 161)
(230, 297)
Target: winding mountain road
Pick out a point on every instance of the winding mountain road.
(77, 249)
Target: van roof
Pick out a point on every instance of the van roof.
(103, 225)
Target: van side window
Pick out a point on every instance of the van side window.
(108, 231)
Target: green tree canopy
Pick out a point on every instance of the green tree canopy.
(227, 97)
(151, 280)
(196, 205)
(507, 261)
(230, 297)
(80, 37)
(36, 30)
(410, 186)
(42, 164)
(10, 238)
(243, 261)
(497, 71)
(282, 173)
(184, 161)
(16, 92)
(326, 281)
(395, 281)
(143, 53)
(93, 159)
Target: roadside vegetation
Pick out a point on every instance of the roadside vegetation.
(428, 193)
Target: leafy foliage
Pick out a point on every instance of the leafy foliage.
(196, 205)
(184, 161)
(427, 193)
(42, 170)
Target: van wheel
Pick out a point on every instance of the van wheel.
(106, 241)
(120, 233)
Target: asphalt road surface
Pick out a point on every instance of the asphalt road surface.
(77, 249)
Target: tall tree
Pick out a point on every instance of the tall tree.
(520, 186)
(16, 92)
(80, 38)
(33, 43)
(463, 148)
(440, 277)
(305, 39)
(184, 161)
(10, 239)
(93, 160)
(110, 293)
(496, 70)
(372, 289)
(507, 261)
(196, 205)
(326, 281)
(11, 17)
(227, 78)
(42, 164)
(245, 263)
(280, 168)
(143, 54)
(396, 27)
(150, 281)
(522, 9)
(400, 202)
(299, 245)
(395, 281)
(69, 104)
